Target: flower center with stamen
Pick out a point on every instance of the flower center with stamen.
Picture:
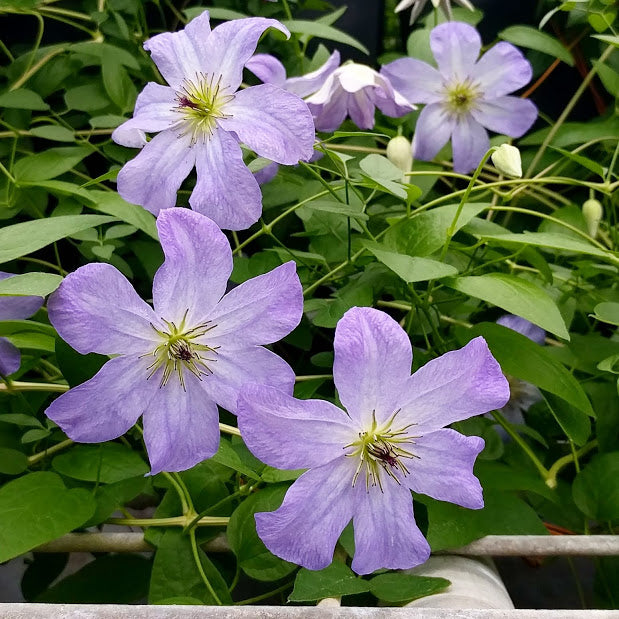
(201, 102)
(381, 451)
(180, 351)
(461, 97)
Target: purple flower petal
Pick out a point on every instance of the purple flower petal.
(180, 54)
(288, 433)
(415, 80)
(373, 358)
(524, 327)
(18, 308)
(198, 262)
(386, 535)
(443, 468)
(233, 368)
(153, 177)
(509, 115)
(96, 309)
(180, 426)
(261, 310)
(501, 70)
(330, 114)
(309, 83)
(433, 130)
(268, 69)
(313, 515)
(456, 47)
(458, 385)
(232, 44)
(272, 122)
(469, 143)
(154, 111)
(226, 190)
(267, 174)
(10, 357)
(106, 406)
(361, 109)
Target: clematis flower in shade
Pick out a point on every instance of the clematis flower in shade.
(201, 117)
(522, 395)
(355, 90)
(14, 308)
(363, 462)
(176, 361)
(419, 4)
(464, 96)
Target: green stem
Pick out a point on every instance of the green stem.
(28, 74)
(553, 471)
(179, 490)
(212, 508)
(264, 596)
(22, 386)
(224, 427)
(7, 174)
(196, 556)
(34, 458)
(302, 379)
(174, 521)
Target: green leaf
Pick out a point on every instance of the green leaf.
(110, 579)
(516, 296)
(28, 236)
(526, 360)
(63, 188)
(316, 29)
(402, 587)
(12, 462)
(117, 82)
(175, 573)
(37, 508)
(99, 50)
(23, 99)
(252, 555)
(410, 268)
(595, 489)
(34, 340)
(333, 581)
(105, 463)
(607, 312)
(451, 526)
(87, 98)
(30, 284)
(585, 162)
(110, 497)
(576, 426)
(53, 132)
(380, 170)
(526, 36)
(331, 206)
(77, 368)
(112, 204)
(228, 456)
(49, 164)
(215, 12)
(576, 133)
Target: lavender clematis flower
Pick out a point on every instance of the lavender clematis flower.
(14, 308)
(464, 96)
(419, 4)
(522, 395)
(201, 117)
(175, 361)
(355, 90)
(364, 462)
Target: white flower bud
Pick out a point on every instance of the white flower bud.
(506, 159)
(592, 212)
(400, 154)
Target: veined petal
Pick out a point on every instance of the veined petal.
(386, 535)
(234, 368)
(456, 47)
(153, 177)
(198, 262)
(501, 70)
(469, 142)
(443, 468)
(372, 363)
(328, 116)
(458, 385)
(311, 519)
(226, 190)
(261, 310)
(231, 44)
(524, 327)
(268, 69)
(310, 82)
(10, 357)
(361, 109)
(415, 80)
(181, 426)
(96, 309)
(432, 132)
(154, 111)
(291, 434)
(17, 308)
(107, 405)
(509, 115)
(274, 123)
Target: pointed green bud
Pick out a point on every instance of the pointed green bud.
(506, 159)
(592, 211)
(400, 154)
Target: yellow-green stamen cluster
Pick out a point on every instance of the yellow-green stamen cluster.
(179, 351)
(381, 448)
(201, 102)
(461, 97)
